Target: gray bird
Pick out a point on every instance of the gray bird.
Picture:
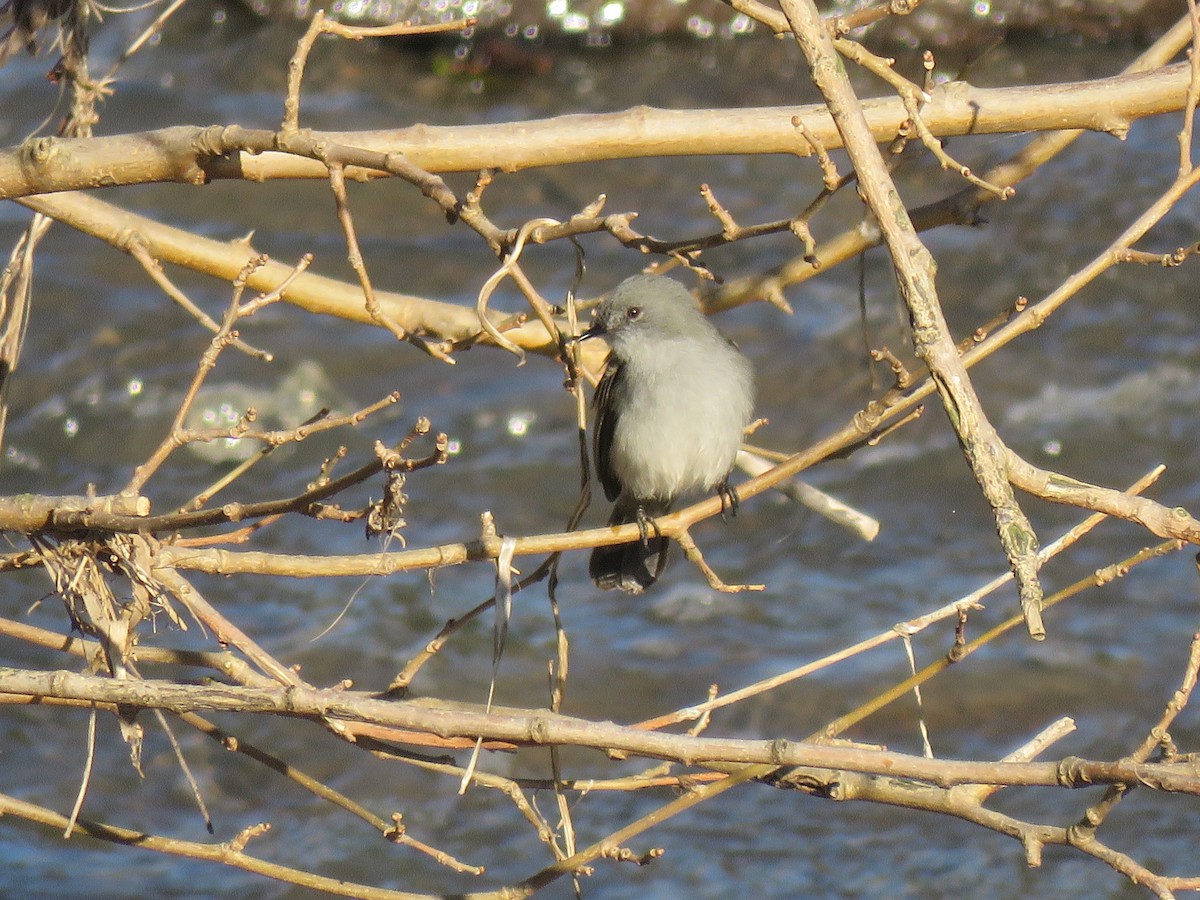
(669, 416)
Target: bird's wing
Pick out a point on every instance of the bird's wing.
(606, 425)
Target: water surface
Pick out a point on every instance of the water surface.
(1104, 391)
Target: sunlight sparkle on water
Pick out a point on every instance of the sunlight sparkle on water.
(518, 423)
(611, 13)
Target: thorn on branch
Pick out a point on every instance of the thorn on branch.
(482, 181)
(903, 378)
(729, 228)
(799, 227)
(829, 172)
(594, 208)
(958, 650)
(1168, 260)
(245, 836)
(1033, 850)
(772, 292)
(624, 854)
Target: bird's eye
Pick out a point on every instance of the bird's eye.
(633, 313)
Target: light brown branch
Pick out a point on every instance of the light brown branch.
(314, 293)
(196, 155)
(543, 728)
(230, 854)
(914, 268)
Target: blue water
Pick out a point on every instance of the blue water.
(1104, 391)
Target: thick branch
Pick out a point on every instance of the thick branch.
(314, 293)
(541, 728)
(194, 155)
(30, 512)
(914, 268)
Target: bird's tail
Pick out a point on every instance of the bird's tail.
(635, 566)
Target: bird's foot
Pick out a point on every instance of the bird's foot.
(644, 524)
(729, 500)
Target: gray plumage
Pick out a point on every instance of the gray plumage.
(669, 416)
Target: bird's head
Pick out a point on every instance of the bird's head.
(647, 305)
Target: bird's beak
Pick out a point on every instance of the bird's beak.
(596, 329)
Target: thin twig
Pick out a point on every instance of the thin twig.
(969, 601)
(1193, 93)
(224, 337)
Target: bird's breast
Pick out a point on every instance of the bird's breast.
(682, 413)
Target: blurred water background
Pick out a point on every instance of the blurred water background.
(1105, 390)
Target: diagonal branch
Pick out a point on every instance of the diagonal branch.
(915, 268)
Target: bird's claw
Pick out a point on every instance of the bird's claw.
(644, 524)
(729, 500)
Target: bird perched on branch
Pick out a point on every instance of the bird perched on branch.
(670, 411)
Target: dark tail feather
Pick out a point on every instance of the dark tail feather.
(631, 567)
